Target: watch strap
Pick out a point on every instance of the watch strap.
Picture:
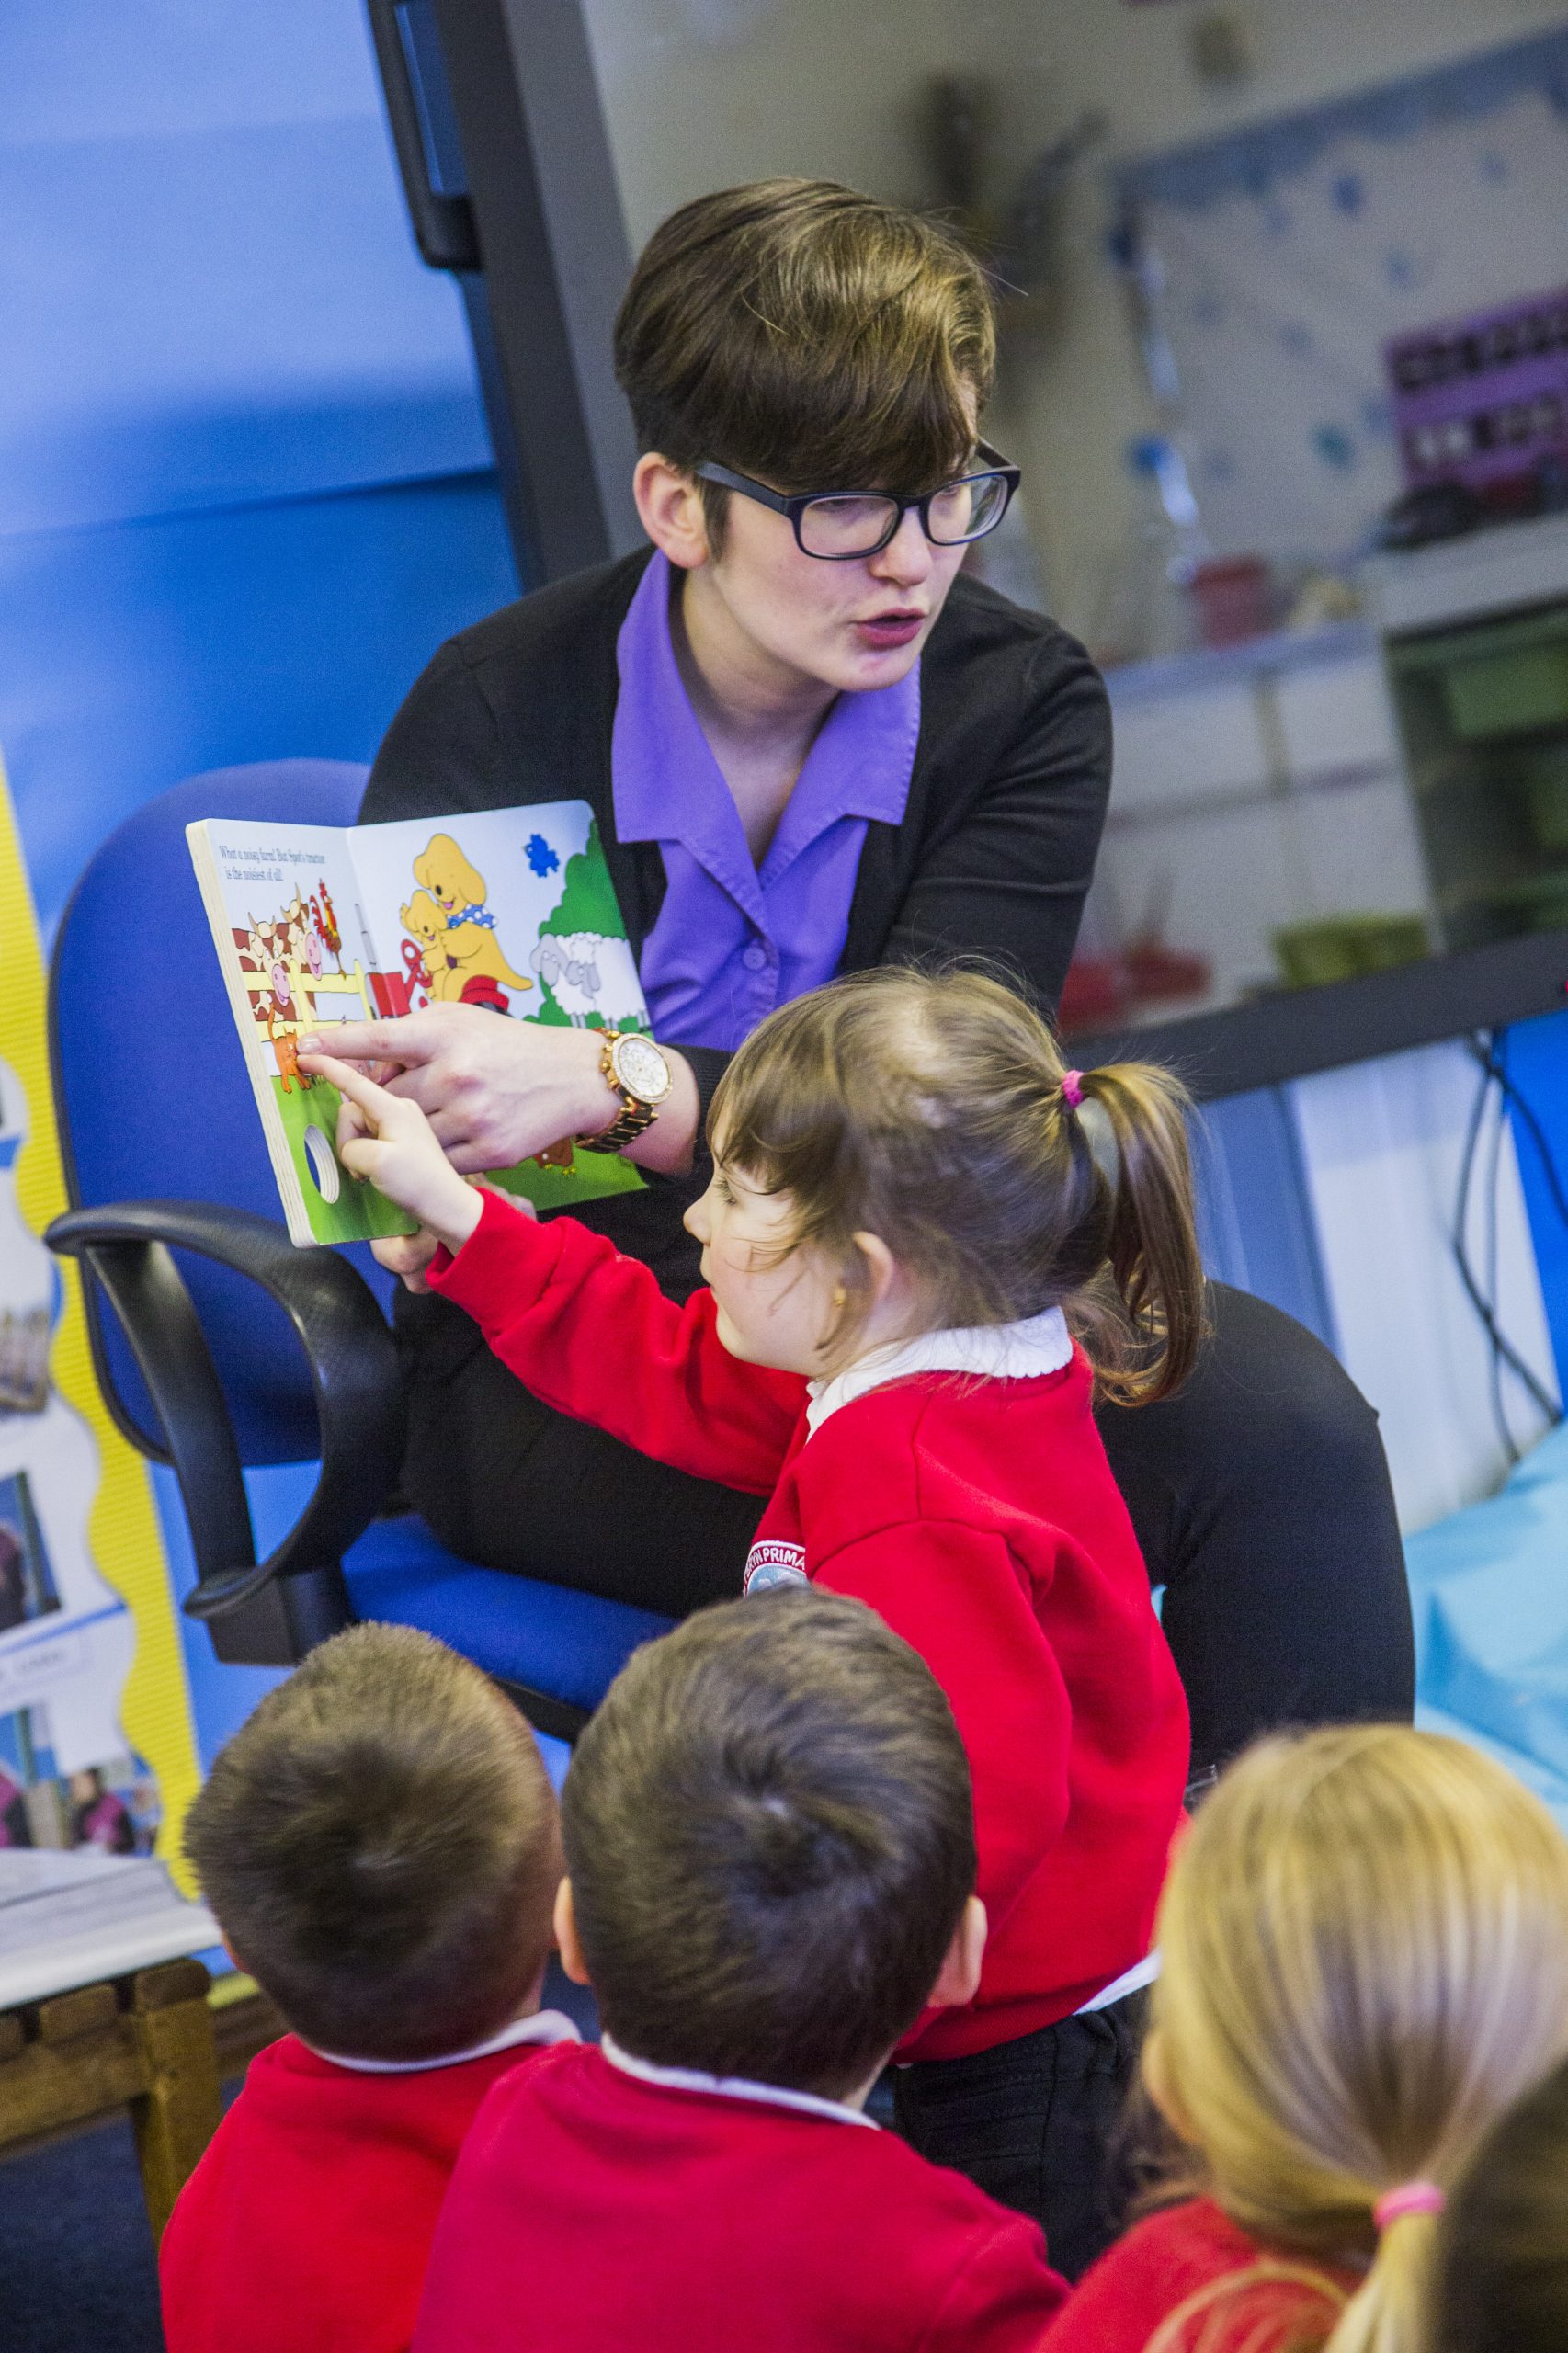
(633, 1119)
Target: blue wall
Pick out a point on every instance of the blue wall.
(245, 483)
(245, 488)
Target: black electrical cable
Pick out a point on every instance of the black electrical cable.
(1477, 1298)
(1496, 1058)
(1494, 1280)
(1504, 1352)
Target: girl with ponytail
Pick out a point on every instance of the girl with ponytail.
(1364, 1959)
(927, 1245)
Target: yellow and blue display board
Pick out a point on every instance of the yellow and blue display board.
(96, 1722)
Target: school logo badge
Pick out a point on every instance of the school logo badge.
(771, 1564)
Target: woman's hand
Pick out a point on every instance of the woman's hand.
(389, 1140)
(495, 1091)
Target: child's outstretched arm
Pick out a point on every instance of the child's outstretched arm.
(390, 1141)
(585, 1329)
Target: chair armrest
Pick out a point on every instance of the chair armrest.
(353, 1364)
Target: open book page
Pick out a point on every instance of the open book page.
(283, 902)
(508, 910)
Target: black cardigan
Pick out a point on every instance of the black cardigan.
(994, 853)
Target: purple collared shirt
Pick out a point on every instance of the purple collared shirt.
(733, 939)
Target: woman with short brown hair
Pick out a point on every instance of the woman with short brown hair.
(814, 745)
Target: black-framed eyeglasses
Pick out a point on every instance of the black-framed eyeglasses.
(836, 525)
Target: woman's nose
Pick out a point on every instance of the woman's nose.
(907, 555)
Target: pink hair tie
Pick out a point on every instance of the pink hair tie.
(1408, 2197)
(1073, 1087)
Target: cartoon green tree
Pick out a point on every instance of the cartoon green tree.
(588, 903)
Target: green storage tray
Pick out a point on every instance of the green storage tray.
(1339, 947)
(1497, 677)
(1508, 694)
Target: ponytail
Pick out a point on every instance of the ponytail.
(1389, 2311)
(1152, 1243)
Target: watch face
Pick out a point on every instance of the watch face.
(641, 1068)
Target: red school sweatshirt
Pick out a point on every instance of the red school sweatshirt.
(593, 2212)
(979, 1516)
(1275, 2301)
(307, 2224)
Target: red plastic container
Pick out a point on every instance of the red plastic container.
(1232, 598)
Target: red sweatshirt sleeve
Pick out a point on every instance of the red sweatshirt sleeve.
(591, 1333)
(956, 1596)
(1003, 2300)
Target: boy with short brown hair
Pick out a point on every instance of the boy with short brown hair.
(379, 1844)
(770, 1835)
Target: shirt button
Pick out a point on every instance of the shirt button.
(754, 956)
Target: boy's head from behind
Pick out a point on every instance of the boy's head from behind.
(379, 1844)
(770, 1839)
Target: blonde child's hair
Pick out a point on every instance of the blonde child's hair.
(1364, 1948)
(929, 1109)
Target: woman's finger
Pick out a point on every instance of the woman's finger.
(370, 1099)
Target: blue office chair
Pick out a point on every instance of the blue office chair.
(217, 1345)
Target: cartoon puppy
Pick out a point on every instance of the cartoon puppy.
(457, 887)
(455, 953)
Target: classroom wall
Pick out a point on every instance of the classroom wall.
(244, 481)
(1075, 405)
(699, 93)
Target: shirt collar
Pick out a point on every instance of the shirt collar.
(860, 766)
(1022, 1351)
(543, 2026)
(691, 2079)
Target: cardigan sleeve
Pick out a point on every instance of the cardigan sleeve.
(1008, 878)
(590, 1333)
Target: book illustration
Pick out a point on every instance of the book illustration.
(584, 959)
(508, 910)
(453, 929)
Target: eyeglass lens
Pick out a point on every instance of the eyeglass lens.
(861, 525)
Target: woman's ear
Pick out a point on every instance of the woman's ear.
(669, 504)
(566, 1939)
(958, 1979)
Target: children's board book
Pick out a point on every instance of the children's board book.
(510, 909)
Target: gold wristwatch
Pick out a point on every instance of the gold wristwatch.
(636, 1070)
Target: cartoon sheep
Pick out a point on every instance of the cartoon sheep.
(586, 972)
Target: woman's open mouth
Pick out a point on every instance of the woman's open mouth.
(885, 631)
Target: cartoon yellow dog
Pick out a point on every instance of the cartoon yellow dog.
(464, 959)
(458, 888)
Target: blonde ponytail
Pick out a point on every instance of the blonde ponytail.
(1387, 2312)
(1364, 1948)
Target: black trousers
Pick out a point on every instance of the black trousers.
(1260, 1496)
(1034, 2123)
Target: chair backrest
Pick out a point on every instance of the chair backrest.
(151, 1083)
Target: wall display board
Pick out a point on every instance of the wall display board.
(1292, 251)
(97, 1756)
